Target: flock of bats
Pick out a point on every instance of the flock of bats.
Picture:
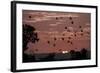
(66, 28)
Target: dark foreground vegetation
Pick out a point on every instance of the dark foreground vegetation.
(72, 55)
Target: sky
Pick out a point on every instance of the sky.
(58, 31)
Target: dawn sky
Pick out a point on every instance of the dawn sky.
(58, 31)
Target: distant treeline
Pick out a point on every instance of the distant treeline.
(72, 55)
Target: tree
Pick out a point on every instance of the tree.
(28, 36)
(84, 53)
(78, 55)
(73, 54)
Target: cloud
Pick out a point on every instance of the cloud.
(71, 28)
(87, 24)
(43, 16)
(54, 24)
(87, 29)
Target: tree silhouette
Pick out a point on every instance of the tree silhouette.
(78, 55)
(28, 36)
(73, 54)
(84, 53)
